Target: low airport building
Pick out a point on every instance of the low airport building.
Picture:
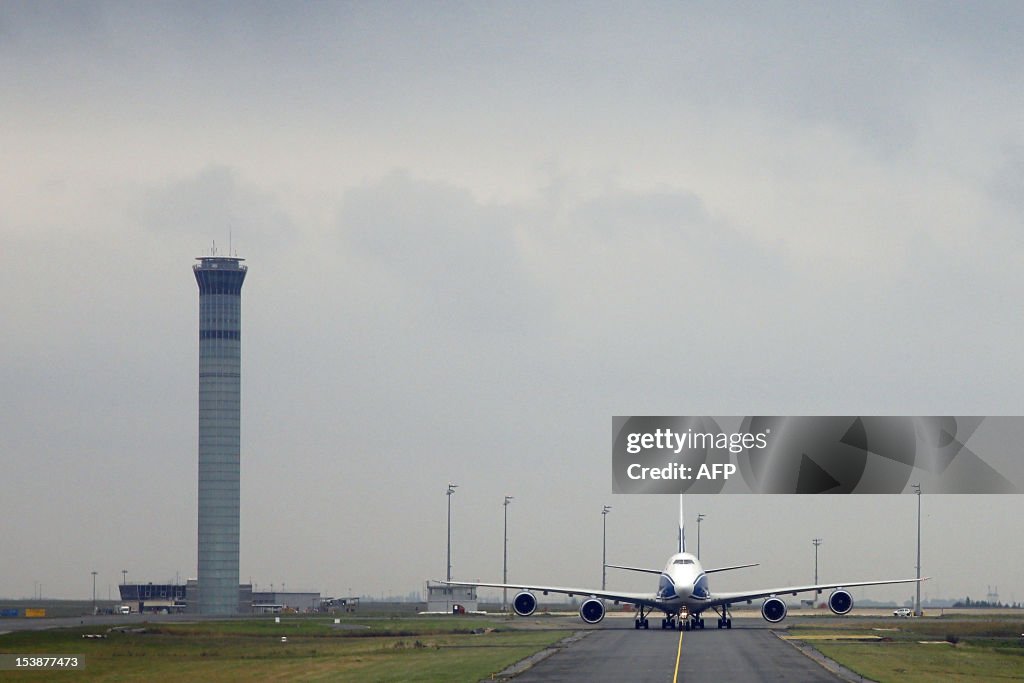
(173, 597)
(154, 597)
(442, 597)
(264, 602)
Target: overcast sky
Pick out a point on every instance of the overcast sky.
(476, 232)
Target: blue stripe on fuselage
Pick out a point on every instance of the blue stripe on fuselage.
(700, 587)
(666, 588)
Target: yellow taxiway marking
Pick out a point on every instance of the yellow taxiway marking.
(679, 653)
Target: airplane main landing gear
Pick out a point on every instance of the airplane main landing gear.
(641, 619)
(724, 618)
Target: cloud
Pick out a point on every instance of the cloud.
(1007, 182)
(212, 204)
(450, 256)
(793, 209)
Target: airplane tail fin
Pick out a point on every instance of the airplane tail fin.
(682, 528)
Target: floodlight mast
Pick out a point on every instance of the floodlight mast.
(700, 518)
(604, 544)
(451, 490)
(816, 542)
(504, 573)
(917, 597)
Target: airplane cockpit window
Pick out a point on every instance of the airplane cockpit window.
(683, 561)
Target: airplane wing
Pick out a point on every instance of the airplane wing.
(634, 569)
(646, 599)
(662, 571)
(723, 598)
(729, 569)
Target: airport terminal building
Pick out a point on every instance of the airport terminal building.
(154, 597)
(172, 597)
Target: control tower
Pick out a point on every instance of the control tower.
(220, 364)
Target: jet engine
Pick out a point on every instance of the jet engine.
(773, 610)
(840, 602)
(525, 603)
(592, 611)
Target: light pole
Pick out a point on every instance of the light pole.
(504, 571)
(124, 577)
(94, 592)
(604, 543)
(451, 490)
(816, 543)
(700, 518)
(917, 598)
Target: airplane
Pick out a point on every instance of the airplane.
(683, 594)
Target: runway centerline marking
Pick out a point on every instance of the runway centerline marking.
(679, 653)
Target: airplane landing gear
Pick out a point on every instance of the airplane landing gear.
(724, 618)
(641, 619)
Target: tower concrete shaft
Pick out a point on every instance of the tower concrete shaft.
(220, 307)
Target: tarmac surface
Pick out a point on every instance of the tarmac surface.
(749, 651)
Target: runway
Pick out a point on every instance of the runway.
(617, 652)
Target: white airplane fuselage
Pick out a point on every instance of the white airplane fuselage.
(683, 583)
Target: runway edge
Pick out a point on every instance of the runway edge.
(534, 659)
(830, 665)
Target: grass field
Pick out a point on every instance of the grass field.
(926, 650)
(401, 649)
